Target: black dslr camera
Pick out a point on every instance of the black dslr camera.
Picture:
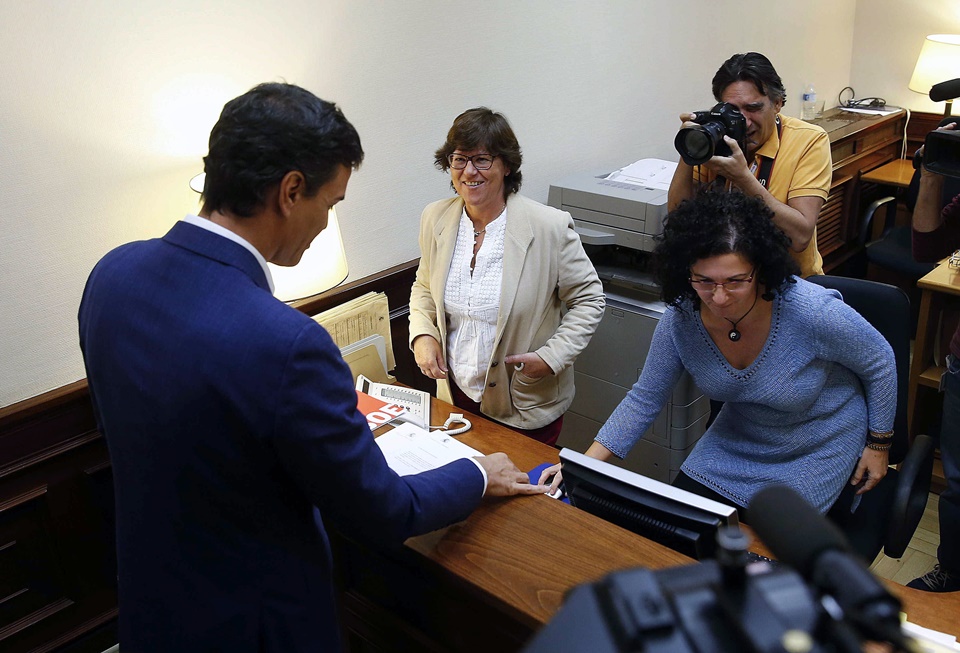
(697, 144)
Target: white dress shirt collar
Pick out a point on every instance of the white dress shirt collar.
(211, 226)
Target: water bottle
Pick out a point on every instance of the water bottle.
(808, 108)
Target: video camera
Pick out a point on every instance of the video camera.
(698, 144)
(941, 149)
(819, 599)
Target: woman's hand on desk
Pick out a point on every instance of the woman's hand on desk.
(595, 450)
(504, 479)
(557, 475)
(429, 357)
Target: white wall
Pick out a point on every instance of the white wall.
(887, 39)
(106, 107)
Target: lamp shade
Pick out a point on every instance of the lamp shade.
(939, 61)
(323, 266)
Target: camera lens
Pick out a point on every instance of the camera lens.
(697, 144)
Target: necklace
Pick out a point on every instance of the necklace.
(733, 334)
(477, 234)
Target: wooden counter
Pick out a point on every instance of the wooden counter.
(488, 583)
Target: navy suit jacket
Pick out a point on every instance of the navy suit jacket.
(231, 419)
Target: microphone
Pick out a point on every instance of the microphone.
(801, 537)
(945, 90)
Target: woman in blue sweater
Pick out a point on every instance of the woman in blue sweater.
(803, 376)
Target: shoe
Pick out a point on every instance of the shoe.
(936, 580)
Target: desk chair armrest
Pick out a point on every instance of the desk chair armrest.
(910, 495)
(867, 225)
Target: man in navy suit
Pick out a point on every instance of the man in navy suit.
(231, 418)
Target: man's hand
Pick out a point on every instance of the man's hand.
(733, 167)
(504, 479)
(531, 364)
(927, 215)
(429, 357)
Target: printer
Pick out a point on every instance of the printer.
(617, 221)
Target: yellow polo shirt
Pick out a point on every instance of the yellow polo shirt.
(802, 167)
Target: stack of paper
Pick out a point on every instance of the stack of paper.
(360, 318)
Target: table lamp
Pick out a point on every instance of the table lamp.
(322, 267)
(939, 61)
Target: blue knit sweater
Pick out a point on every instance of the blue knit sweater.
(798, 415)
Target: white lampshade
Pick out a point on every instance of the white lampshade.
(322, 267)
(939, 61)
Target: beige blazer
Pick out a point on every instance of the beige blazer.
(551, 302)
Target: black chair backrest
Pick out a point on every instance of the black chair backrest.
(887, 308)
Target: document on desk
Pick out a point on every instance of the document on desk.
(650, 173)
(410, 449)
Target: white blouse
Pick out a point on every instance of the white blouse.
(472, 304)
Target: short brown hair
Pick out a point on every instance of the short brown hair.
(481, 128)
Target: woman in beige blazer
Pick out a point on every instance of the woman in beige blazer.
(505, 296)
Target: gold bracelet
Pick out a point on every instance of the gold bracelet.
(883, 435)
(878, 447)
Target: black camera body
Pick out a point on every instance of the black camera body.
(698, 144)
(685, 610)
(941, 153)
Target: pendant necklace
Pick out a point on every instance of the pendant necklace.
(733, 334)
(477, 234)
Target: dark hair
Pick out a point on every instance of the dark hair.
(750, 67)
(717, 222)
(265, 133)
(481, 128)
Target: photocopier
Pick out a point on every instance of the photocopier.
(617, 221)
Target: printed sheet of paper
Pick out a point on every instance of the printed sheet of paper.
(410, 449)
(357, 319)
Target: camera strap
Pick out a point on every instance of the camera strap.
(766, 163)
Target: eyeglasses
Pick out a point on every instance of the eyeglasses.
(733, 285)
(480, 161)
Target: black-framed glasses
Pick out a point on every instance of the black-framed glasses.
(733, 285)
(480, 161)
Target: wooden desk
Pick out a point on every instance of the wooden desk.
(858, 143)
(937, 287)
(896, 173)
(488, 583)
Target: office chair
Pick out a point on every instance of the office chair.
(891, 250)
(887, 516)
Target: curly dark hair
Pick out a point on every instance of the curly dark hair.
(483, 129)
(750, 67)
(265, 133)
(717, 222)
